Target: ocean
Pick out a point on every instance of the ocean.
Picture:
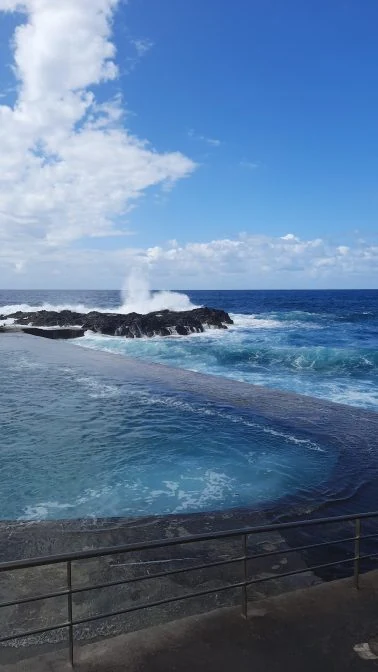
(321, 343)
(80, 440)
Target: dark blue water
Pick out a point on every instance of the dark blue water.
(320, 343)
(76, 443)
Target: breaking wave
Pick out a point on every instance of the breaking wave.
(136, 297)
(322, 344)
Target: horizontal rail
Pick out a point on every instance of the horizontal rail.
(176, 541)
(369, 536)
(242, 534)
(268, 554)
(120, 582)
(368, 556)
(201, 593)
(173, 572)
(176, 598)
(159, 603)
(159, 575)
(38, 631)
(313, 568)
(120, 612)
(35, 598)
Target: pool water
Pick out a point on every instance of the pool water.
(76, 442)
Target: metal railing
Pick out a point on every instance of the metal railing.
(243, 559)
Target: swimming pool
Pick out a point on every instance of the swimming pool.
(85, 434)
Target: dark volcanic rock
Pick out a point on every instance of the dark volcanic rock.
(159, 323)
(133, 325)
(48, 318)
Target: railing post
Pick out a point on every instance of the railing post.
(69, 610)
(357, 543)
(245, 578)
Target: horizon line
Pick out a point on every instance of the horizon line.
(188, 289)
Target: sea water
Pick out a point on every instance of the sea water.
(321, 343)
(76, 442)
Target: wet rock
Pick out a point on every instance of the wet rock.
(132, 325)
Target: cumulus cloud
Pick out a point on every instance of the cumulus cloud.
(68, 167)
(268, 259)
(246, 261)
(70, 171)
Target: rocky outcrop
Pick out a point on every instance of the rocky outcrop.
(132, 325)
(48, 318)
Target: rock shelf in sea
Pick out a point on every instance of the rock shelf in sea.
(71, 324)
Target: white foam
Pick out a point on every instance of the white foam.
(97, 389)
(355, 397)
(254, 322)
(264, 321)
(28, 308)
(42, 510)
(20, 363)
(138, 298)
(49, 509)
(197, 492)
(237, 419)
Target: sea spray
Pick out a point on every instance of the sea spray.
(318, 343)
(137, 296)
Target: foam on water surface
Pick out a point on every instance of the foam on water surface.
(89, 432)
(322, 344)
(85, 443)
(265, 352)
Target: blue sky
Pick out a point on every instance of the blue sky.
(290, 86)
(261, 168)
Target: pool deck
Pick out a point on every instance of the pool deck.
(331, 626)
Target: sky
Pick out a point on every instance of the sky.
(215, 144)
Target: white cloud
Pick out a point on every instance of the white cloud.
(142, 46)
(268, 261)
(343, 249)
(290, 236)
(259, 261)
(68, 167)
(69, 170)
(214, 142)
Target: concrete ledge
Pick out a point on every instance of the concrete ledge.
(51, 332)
(55, 332)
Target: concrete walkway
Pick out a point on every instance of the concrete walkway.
(328, 627)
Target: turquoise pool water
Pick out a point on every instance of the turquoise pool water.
(81, 442)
